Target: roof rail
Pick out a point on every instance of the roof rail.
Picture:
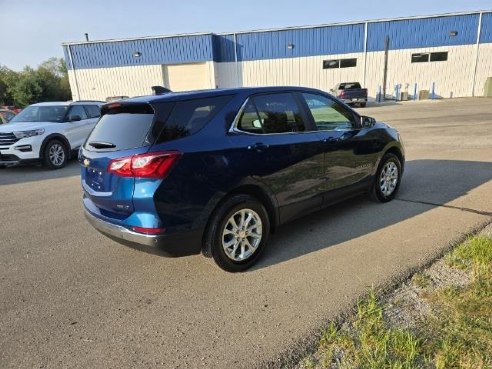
(98, 101)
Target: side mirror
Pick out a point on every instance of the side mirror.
(367, 122)
(74, 118)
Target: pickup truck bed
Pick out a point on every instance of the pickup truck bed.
(351, 93)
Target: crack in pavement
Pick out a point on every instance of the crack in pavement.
(480, 212)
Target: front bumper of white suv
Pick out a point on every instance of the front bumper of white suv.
(14, 150)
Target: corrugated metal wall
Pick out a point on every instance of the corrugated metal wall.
(224, 48)
(295, 56)
(305, 71)
(484, 68)
(100, 83)
(453, 77)
(426, 32)
(304, 42)
(486, 33)
(167, 50)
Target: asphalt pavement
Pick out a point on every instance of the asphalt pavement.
(71, 298)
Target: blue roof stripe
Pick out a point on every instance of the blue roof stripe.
(169, 50)
(67, 59)
(425, 32)
(224, 48)
(307, 42)
(486, 34)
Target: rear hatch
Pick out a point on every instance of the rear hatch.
(124, 130)
(120, 171)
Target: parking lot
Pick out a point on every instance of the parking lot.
(70, 297)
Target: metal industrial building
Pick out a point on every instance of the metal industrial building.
(450, 55)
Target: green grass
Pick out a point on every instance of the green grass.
(457, 334)
(421, 280)
(370, 343)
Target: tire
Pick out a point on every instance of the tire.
(363, 105)
(235, 251)
(55, 155)
(388, 178)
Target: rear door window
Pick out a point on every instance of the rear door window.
(93, 111)
(188, 117)
(121, 128)
(77, 110)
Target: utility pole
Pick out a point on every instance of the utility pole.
(385, 73)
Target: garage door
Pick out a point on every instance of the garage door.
(186, 77)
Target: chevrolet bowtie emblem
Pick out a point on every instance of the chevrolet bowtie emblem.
(86, 162)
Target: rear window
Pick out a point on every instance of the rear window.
(188, 117)
(348, 86)
(121, 127)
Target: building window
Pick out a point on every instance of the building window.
(330, 64)
(426, 57)
(347, 63)
(339, 63)
(420, 58)
(443, 56)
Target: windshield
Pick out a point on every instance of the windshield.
(41, 114)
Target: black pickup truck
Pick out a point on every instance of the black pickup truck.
(351, 93)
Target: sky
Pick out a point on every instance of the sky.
(33, 30)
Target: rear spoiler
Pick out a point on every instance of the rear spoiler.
(159, 90)
(130, 107)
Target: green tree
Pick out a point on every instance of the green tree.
(49, 82)
(27, 90)
(64, 82)
(53, 77)
(8, 79)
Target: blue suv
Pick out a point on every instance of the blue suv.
(216, 171)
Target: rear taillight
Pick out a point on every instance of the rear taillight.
(151, 165)
(342, 94)
(149, 231)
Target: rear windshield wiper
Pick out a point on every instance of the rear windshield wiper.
(101, 145)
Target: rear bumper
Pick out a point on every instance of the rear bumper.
(186, 243)
(122, 233)
(355, 100)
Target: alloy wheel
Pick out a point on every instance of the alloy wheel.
(56, 154)
(388, 180)
(242, 235)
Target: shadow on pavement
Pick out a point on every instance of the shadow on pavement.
(429, 181)
(434, 182)
(32, 173)
(375, 104)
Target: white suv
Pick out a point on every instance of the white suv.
(47, 132)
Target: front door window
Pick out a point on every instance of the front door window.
(269, 114)
(329, 115)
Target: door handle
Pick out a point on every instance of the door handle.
(330, 140)
(259, 146)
